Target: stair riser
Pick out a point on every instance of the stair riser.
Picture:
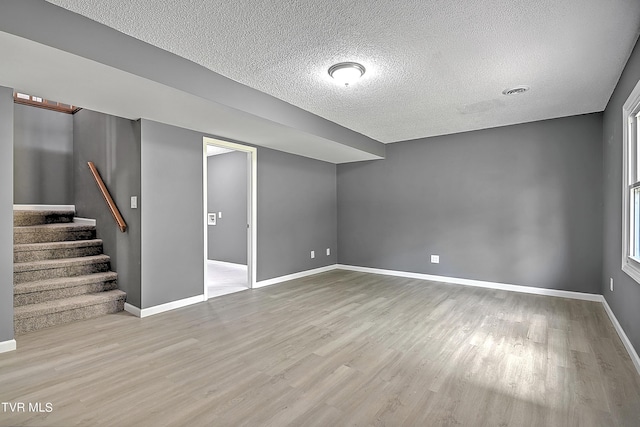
(68, 271)
(45, 254)
(22, 326)
(60, 272)
(34, 218)
(52, 236)
(54, 294)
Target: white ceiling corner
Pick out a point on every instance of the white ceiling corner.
(433, 67)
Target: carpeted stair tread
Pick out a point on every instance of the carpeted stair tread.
(56, 245)
(53, 227)
(53, 233)
(28, 252)
(22, 217)
(43, 209)
(22, 267)
(79, 301)
(33, 317)
(60, 272)
(63, 287)
(63, 282)
(62, 267)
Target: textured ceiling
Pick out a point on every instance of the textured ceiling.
(433, 67)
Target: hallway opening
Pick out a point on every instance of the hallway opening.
(229, 212)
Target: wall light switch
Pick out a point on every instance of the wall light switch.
(328, 251)
(134, 202)
(435, 259)
(611, 284)
(219, 215)
(313, 254)
(211, 219)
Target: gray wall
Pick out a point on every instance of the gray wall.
(227, 193)
(113, 144)
(172, 214)
(625, 299)
(297, 207)
(43, 156)
(6, 214)
(518, 204)
(296, 213)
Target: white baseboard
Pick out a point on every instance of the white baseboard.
(268, 282)
(84, 221)
(7, 346)
(45, 207)
(146, 312)
(623, 336)
(477, 283)
(132, 309)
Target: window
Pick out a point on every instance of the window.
(36, 101)
(631, 186)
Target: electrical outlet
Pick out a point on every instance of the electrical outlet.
(313, 254)
(134, 202)
(435, 259)
(328, 251)
(611, 284)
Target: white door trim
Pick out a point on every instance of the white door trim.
(252, 203)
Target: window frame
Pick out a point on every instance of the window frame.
(631, 147)
(47, 104)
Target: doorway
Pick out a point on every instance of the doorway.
(229, 201)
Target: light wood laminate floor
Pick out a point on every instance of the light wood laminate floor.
(335, 349)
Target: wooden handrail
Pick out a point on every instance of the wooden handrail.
(107, 198)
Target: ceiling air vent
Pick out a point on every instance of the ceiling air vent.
(515, 90)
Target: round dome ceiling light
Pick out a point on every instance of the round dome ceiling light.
(346, 73)
(515, 90)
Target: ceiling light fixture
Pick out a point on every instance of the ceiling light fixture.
(346, 73)
(515, 90)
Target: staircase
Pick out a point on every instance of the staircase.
(60, 274)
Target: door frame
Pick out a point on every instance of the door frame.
(252, 205)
